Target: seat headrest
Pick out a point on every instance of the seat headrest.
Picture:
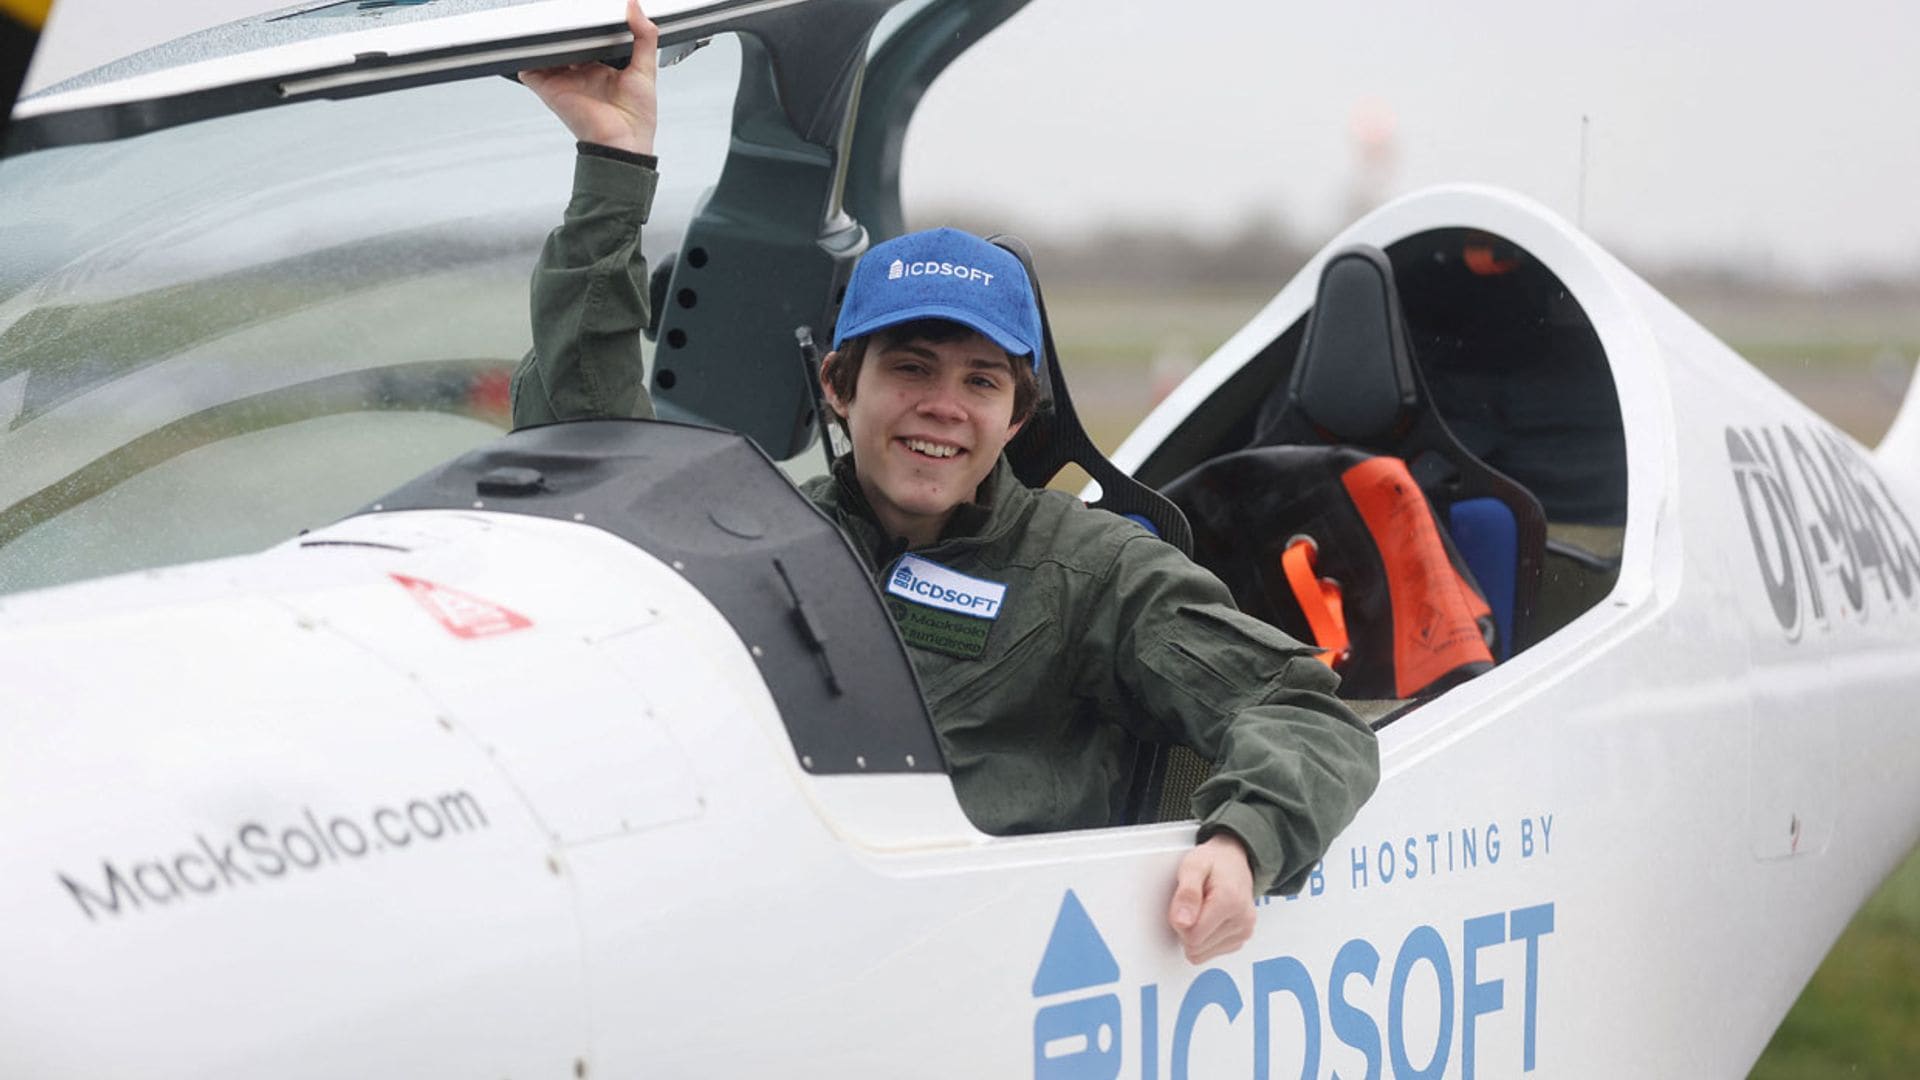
(1354, 378)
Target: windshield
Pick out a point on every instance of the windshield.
(216, 335)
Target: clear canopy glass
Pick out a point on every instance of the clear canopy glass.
(215, 335)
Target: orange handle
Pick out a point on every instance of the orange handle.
(1319, 598)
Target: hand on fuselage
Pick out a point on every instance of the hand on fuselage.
(614, 107)
(1212, 910)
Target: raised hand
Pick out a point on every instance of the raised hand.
(615, 107)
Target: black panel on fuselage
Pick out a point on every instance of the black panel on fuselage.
(714, 507)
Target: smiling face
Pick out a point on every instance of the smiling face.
(928, 418)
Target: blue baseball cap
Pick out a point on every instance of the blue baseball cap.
(943, 274)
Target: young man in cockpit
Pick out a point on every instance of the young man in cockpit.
(1083, 630)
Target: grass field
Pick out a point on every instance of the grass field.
(1860, 1015)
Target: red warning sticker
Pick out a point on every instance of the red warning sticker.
(464, 616)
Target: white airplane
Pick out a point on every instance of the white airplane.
(589, 754)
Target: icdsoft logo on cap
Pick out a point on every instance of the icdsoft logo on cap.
(930, 268)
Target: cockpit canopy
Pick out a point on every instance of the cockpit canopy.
(259, 274)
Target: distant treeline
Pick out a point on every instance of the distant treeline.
(1264, 254)
(1259, 257)
(1708, 279)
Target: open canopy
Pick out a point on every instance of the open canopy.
(255, 275)
(339, 49)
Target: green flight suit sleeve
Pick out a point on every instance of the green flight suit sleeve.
(589, 302)
(1293, 762)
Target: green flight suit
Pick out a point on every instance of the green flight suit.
(1105, 632)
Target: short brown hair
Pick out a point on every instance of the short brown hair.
(844, 373)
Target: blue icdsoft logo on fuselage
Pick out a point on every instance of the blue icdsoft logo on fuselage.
(1076, 1040)
(1350, 1012)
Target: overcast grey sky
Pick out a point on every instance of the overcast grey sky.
(1763, 130)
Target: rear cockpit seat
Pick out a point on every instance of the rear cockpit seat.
(1465, 355)
(1462, 355)
(1353, 421)
(1356, 384)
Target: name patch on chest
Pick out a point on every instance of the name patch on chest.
(942, 609)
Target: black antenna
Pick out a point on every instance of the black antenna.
(810, 369)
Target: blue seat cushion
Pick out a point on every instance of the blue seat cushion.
(1487, 536)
